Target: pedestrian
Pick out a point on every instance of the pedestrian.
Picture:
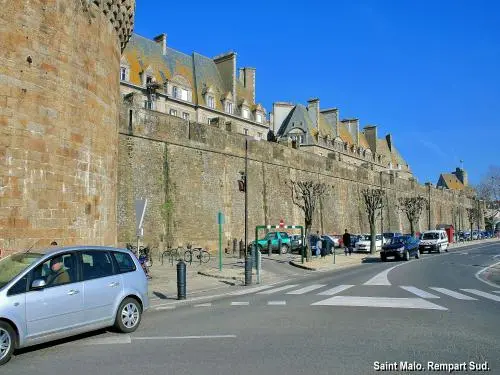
(319, 247)
(346, 239)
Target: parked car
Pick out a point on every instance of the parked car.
(331, 242)
(401, 247)
(280, 242)
(364, 243)
(296, 241)
(62, 292)
(433, 240)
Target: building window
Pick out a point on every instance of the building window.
(185, 116)
(173, 112)
(211, 101)
(245, 113)
(259, 135)
(174, 91)
(149, 79)
(148, 104)
(259, 118)
(246, 131)
(301, 139)
(184, 94)
(123, 73)
(229, 107)
(208, 120)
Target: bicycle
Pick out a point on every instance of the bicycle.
(203, 256)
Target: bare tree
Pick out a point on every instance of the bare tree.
(305, 195)
(489, 187)
(374, 204)
(412, 207)
(473, 214)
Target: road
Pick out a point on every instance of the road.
(433, 309)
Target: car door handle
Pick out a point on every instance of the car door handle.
(73, 292)
(113, 284)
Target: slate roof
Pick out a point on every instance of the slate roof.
(200, 71)
(450, 181)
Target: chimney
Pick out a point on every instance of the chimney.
(247, 78)
(371, 137)
(353, 128)
(332, 117)
(388, 138)
(462, 176)
(313, 109)
(226, 64)
(162, 41)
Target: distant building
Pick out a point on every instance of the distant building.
(322, 132)
(457, 180)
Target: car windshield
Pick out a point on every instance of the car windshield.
(366, 237)
(14, 264)
(398, 240)
(430, 236)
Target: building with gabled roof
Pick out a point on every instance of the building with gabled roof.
(322, 132)
(456, 180)
(193, 87)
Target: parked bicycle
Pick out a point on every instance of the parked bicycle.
(143, 255)
(200, 254)
(172, 254)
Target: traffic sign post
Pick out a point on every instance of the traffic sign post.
(140, 210)
(220, 222)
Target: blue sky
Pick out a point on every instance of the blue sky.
(426, 71)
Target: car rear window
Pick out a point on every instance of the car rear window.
(124, 261)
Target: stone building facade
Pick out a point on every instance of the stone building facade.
(59, 103)
(192, 87)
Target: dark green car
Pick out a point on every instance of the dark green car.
(280, 242)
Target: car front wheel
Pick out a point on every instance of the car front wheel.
(128, 316)
(284, 249)
(7, 342)
(407, 255)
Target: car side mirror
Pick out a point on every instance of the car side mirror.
(38, 284)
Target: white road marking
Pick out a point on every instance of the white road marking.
(401, 303)
(478, 276)
(276, 303)
(453, 294)
(106, 340)
(482, 294)
(186, 337)
(281, 288)
(164, 308)
(240, 303)
(336, 290)
(381, 278)
(251, 290)
(496, 291)
(307, 289)
(203, 305)
(419, 292)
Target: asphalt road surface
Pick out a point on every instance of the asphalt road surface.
(376, 315)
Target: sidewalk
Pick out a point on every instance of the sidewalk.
(341, 261)
(199, 278)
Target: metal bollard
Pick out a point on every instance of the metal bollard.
(269, 247)
(259, 266)
(181, 280)
(279, 246)
(248, 270)
(235, 245)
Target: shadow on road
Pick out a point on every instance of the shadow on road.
(51, 344)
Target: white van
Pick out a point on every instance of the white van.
(433, 240)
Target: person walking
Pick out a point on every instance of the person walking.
(346, 239)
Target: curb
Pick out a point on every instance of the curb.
(292, 263)
(220, 277)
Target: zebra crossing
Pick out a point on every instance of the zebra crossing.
(425, 298)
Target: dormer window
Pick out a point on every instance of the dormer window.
(229, 107)
(210, 101)
(245, 113)
(258, 118)
(147, 76)
(175, 91)
(124, 73)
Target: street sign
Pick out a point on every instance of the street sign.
(140, 210)
(282, 224)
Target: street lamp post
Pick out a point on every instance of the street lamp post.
(429, 206)
(246, 195)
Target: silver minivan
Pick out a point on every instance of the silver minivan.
(61, 292)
